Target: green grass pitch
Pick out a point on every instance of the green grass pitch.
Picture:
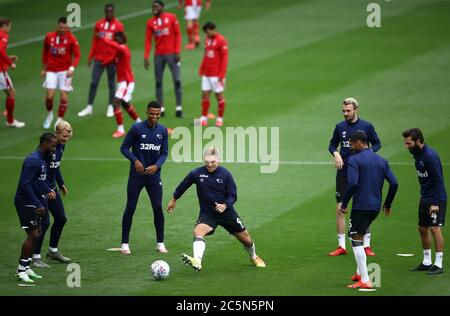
(291, 64)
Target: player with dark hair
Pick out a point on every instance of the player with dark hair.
(164, 27)
(60, 56)
(341, 134)
(217, 193)
(192, 11)
(125, 82)
(149, 143)
(102, 55)
(63, 132)
(7, 61)
(366, 174)
(31, 201)
(213, 70)
(433, 199)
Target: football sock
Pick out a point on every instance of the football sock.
(119, 116)
(49, 104)
(221, 108)
(341, 240)
(63, 104)
(199, 247)
(439, 258)
(53, 249)
(361, 260)
(426, 257)
(37, 256)
(367, 240)
(10, 103)
(205, 107)
(251, 250)
(22, 267)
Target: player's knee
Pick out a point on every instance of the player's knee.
(177, 84)
(435, 230)
(159, 84)
(34, 235)
(61, 220)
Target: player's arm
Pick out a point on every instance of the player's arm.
(393, 187)
(231, 193)
(177, 35)
(223, 61)
(332, 148)
(148, 44)
(45, 51)
(94, 44)
(434, 167)
(60, 181)
(76, 56)
(179, 191)
(164, 152)
(3, 56)
(352, 184)
(30, 171)
(125, 150)
(374, 139)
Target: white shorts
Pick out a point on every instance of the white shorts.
(58, 80)
(192, 12)
(124, 91)
(5, 81)
(212, 84)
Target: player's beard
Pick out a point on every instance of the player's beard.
(414, 150)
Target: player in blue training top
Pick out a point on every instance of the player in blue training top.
(365, 175)
(63, 131)
(433, 199)
(149, 143)
(216, 192)
(31, 201)
(341, 135)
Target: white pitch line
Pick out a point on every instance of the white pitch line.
(90, 26)
(302, 163)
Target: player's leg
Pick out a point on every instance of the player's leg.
(341, 183)
(359, 223)
(196, 28)
(367, 248)
(160, 64)
(125, 102)
(425, 237)
(249, 246)
(50, 84)
(65, 86)
(438, 221)
(205, 225)
(191, 34)
(111, 72)
(97, 71)
(59, 221)
(30, 222)
(121, 92)
(10, 105)
(220, 103)
(206, 92)
(37, 259)
(134, 188)
(174, 66)
(155, 192)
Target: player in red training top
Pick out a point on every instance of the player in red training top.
(99, 54)
(166, 30)
(192, 11)
(213, 70)
(60, 56)
(5, 81)
(125, 81)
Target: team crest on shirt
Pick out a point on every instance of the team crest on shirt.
(43, 168)
(219, 180)
(421, 163)
(201, 180)
(159, 136)
(143, 136)
(53, 156)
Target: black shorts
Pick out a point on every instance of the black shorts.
(28, 217)
(426, 219)
(229, 220)
(360, 221)
(341, 185)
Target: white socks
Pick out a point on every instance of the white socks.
(366, 240)
(341, 240)
(53, 249)
(439, 257)
(427, 257)
(199, 247)
(178, 108)
(251, 250)
(361, 260)
(121, 128)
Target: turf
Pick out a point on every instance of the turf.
(291, 64)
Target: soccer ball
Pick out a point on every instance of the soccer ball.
(160, 269)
